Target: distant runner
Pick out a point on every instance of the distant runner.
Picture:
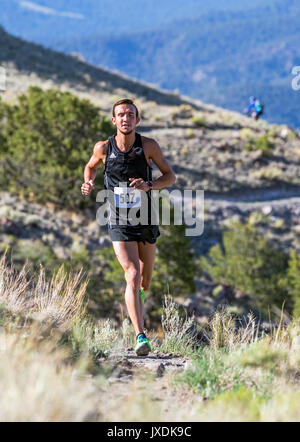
(255, 108)
(127, 157)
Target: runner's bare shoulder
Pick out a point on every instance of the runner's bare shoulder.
(153, 153)
(150, 147)
(149, 142)
(100, 148)
(99, 153)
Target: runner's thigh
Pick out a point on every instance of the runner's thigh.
(127, 253)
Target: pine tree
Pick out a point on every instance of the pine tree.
(248, 262)
(292, 281)
(47, 138)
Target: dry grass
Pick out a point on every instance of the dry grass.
(179, 333)
(94, 339)
(224, 330)
(37, 384)
(128, 334)
(60, 300)
(267, 173)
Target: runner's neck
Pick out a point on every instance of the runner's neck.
(125, 142)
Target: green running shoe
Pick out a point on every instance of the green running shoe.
(142, 347)
(142, 293)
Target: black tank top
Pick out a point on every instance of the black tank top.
(119, 167)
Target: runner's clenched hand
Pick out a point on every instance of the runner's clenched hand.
(86, 188)
(139, 183)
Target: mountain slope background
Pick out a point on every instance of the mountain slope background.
(221, 53)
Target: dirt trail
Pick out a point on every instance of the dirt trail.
(250, 199)
(141, 388)
(156, 363)
(276, 195)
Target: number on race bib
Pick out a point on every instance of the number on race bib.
(127, 197)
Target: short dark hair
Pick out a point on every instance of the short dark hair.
(125, 101)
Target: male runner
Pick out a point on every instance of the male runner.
(127, 157)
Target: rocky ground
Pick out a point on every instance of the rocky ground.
(147, 381)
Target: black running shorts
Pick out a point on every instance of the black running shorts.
(134, 233)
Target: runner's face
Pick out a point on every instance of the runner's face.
(125, 118)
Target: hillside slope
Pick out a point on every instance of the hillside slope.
(205, 144)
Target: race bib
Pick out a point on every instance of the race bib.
(127, 197)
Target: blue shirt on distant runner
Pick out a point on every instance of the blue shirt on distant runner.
(254, 105)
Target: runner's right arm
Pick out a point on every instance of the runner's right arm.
(91, 167)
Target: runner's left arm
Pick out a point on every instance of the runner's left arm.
(167, 178)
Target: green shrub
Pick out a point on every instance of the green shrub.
(3, 144)
(190, 133)
(246, 134)
(292, 281)
(95, 340)
(240, 404)
(262, 143)
(199, 121)
(174, 267)
(262, 354)
(47, 138)
(247, 262)
(113, 274)
(211, 375)
(271, 173)
(33, 250)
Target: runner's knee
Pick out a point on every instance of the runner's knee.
(133, 276)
